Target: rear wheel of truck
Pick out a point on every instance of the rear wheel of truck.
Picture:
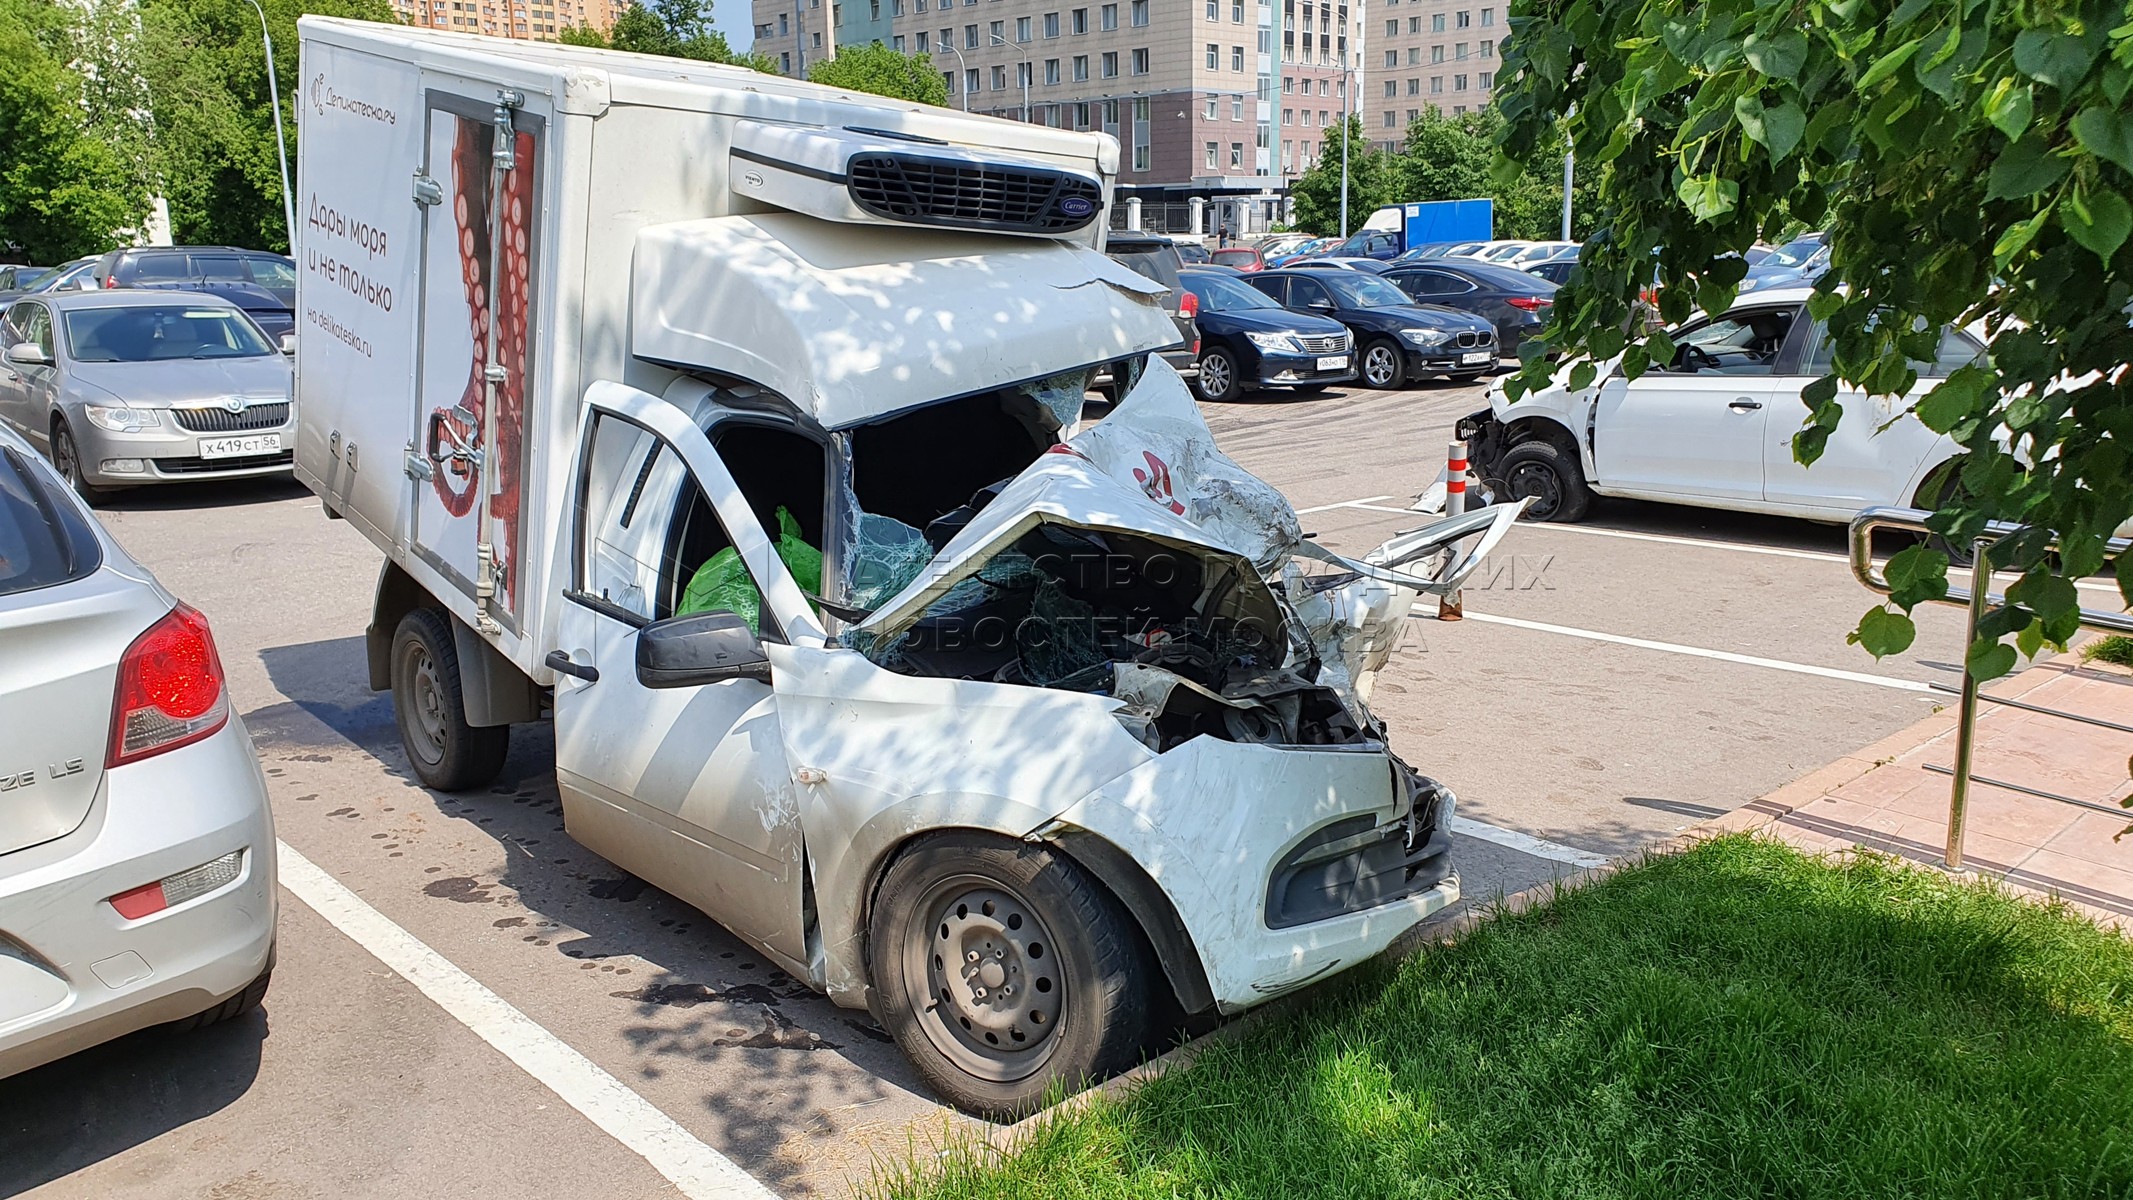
(1003, 968)
(447, 753)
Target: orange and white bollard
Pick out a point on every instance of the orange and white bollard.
(1450, 606)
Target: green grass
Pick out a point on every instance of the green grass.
(1736, 1021)
(2112, 649)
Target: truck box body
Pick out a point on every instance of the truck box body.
(1435, 221)
(630, 176)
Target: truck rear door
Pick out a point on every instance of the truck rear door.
(482, 189)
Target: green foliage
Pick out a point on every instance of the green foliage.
(71, 178)
(882, 71)
(214, 149)
(1738, 1020)
(1970, 161)
(674, 28)
(1449, 157)
(1371, 182)
(2116, 649)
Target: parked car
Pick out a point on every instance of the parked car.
(1397, 339)
(16, 279)
(1192, 251)
(261, 283)
(1370, 243)
(1713, 427)
(1157, 258)
(1514, 301)
(1308, 249)
(1247, 341)
(1240, 258)
(1280, 243)
(136, 847)
(66, 277)
(1555, 270)
(1343, 262)
(122, 388)
(1439, 250)
(1799, 261)
(1539, 252)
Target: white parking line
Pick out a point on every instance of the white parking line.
(696, 1170)
(1708, 543)
(1525, 843)
(1367, 500)
(1775, 664)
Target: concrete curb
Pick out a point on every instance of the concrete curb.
(1749, 817)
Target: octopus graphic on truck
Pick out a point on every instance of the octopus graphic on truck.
(493, 268)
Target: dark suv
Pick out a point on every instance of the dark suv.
(263, 284)
(1158, 259)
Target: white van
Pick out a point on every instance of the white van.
(736, 424)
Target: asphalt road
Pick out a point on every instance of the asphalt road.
(1690, 661)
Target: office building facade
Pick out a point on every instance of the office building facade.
(528, 20)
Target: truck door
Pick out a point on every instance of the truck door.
(481, 203)
(687, 787)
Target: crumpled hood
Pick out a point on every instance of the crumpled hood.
(1151, 469)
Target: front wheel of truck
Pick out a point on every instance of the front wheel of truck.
(1004, 968)
(447, 753)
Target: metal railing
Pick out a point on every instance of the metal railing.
(1978, 599)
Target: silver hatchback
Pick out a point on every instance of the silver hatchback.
(136, 850)
(123, 388)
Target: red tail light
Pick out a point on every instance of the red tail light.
(1188, 305)
(1529, 303)
(170, 689)
(111, 281)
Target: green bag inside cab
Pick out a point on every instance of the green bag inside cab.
(722, 584)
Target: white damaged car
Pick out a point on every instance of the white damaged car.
(1086, 754)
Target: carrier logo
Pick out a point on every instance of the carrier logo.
(324, 97)
(1077, 206)
(237, 405)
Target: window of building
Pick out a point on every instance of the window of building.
(1436, 23)
(1051, 25)
(1110, 64)
(1214, 56)
(925, 42)
(1459, 51)
(1236, 12)
(1140, 14)
(1436, 85)
(1392, 58)
(1081, 20)
(1488, 18)
(1414, 86)
(1488, 48)
(1392, 121)
(1108, 16)
(1236, 154)
(1051, 72)
(1212, 106)
(1436, 54)
(1213, 148)
(1214, 10)
(1462, 18)
(1392, 88)
(1140, 61)
(1021, 29)
(970, 80)
(999, 79)
(1487, 80)
(1236, 59)
(1458, 83)
(1236, 108)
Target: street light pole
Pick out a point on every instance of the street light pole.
(799, 41)
(1569, 157)
(1347, 135)
(1022, 72)
(281, 141)
(963, 85)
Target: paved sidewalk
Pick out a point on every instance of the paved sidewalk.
(1883, 797)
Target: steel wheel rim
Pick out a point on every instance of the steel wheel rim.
(1538, 482)
(1379, 365)
(994, 992)
(1214, 375)
(425, 704)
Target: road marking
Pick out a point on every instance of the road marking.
(696, 1170)
(1902, 685)
(1303, 512)
(1525, 843)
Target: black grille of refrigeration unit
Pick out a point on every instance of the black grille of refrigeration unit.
(926, 191)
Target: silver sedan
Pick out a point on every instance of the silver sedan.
(122, 388)
(137, 856)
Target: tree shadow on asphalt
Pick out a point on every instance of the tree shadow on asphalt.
(707, 1002)
(71, 1114)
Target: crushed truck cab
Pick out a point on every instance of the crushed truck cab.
(764, 471)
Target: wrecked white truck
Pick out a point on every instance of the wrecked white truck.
(764, 474)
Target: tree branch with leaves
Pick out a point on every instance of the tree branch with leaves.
(1972, 162)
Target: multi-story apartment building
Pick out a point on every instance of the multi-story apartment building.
(1429, 53)
(533, 20)
(1200, 101)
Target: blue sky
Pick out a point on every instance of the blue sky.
(731, 17)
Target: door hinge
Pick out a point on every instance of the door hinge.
(427, 190)
(417, 467)
(505, 157)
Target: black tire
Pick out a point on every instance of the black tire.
(1378, 372)
(447, 753)
(230, 1009)
(1543, 470)
(1085, 1010)
(1218, 382)
(66, 459)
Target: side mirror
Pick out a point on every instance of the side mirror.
(698, 649)
(1321, 306)
(28, 354)
(288, 343)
